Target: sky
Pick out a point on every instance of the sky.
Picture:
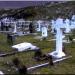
(20, 4)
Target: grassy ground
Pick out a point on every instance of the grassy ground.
(64, 67)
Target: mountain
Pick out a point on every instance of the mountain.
(44, 11)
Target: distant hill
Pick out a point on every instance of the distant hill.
(46, 11)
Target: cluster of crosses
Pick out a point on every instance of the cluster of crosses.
(15, 25)
(61, 25)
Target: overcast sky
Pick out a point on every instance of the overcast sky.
(20, 4)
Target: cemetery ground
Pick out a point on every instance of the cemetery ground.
(64, 67)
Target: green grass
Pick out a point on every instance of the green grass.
(64, 67)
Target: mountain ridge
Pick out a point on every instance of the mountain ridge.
(46, 11)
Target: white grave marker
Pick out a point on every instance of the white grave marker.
(24, 46)
(53, 25)
(72, 22)
(67, 24)
(39, 25)
(58, 53)
(15, 28)
(44, 30)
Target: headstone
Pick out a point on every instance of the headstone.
(53, 25)
(67, 25)
(59, 23)
(24, 47)
(1, 73)
(39, 25)
(10, 38)
(22, 70)
(44, 31)
(31, 28)
(72, 22)
(58, 53)
(2, 26)
(15, 28)
(7, 26)
(73, 17)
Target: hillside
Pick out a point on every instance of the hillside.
(46, 11)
